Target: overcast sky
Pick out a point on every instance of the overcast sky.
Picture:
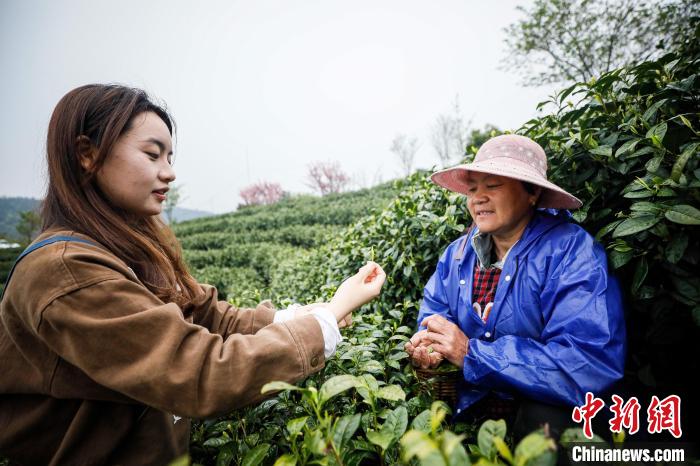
(261, 88)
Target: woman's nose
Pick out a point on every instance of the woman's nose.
(167, 173)
(478, 196)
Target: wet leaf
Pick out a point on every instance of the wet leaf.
(634, 225)
(683, 214)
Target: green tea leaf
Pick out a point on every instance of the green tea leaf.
(391, 393)
(217, 442)
(373, 367)
(314, 442)
(370, 382)
(653, 165)
(296, 425)
(422, 421)
(488, 430)
(256, 456)
(676, 247)
(396, 422)
(658, 130)
(618, 259)
(679, 165)
(453, 449)
(345, 428)
(503, 449)
(286, 460)
(438, 411)
(683, 214)
(643, 206)
(607, 229)
(635, 225)
(627, 147)
(638, 194)
(686, 122)
(225, 455)
(336, 385)
(380, 438)
(398, 356)
(536, 449)
(602, 150)
(418, 444)
(640, 274)
(643, 151)
(651, 111)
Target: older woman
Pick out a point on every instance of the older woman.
(523, 303)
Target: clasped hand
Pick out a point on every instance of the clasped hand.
(441, 340)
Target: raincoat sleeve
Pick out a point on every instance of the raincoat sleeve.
(582, 345)
(435, 299)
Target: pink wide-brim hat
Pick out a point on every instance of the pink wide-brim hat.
(512, 156)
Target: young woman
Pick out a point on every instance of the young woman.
(523, 303)
(107, 343)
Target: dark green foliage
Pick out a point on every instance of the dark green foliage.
(7, 259)
(627, 144)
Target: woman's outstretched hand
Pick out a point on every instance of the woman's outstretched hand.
(357, 290)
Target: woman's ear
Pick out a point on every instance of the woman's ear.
(535, 197)
(87, 153)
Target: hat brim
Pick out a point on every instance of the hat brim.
(552, 197)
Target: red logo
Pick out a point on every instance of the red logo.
(626, 415)
(587, 412)
(661, 414)
(665, 415)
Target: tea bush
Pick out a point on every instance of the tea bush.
(627, 145)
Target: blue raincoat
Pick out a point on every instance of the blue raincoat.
(556, 329)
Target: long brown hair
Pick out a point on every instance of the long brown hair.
(102, 113)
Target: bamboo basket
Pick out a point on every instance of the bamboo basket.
(443, 381)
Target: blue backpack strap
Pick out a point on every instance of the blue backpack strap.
(40, 244)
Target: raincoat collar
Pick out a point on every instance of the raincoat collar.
(542, 221)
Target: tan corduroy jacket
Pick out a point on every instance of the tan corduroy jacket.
(95, 369)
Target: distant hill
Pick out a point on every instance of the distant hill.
(10, 207)
(181, 214)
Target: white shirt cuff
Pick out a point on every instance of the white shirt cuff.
(325, 318)
(330, 330)
(285, 314)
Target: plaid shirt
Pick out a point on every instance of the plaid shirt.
(484, 289)
(487, 272)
